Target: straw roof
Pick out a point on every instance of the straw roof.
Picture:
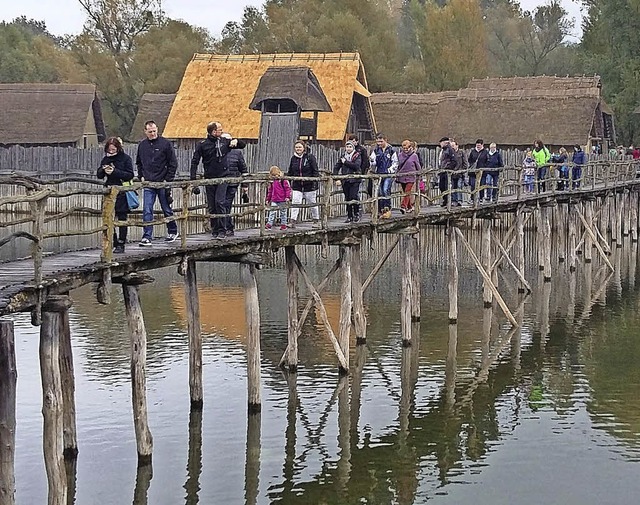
(512, 111)
(48, 113)
(152, 107)
(298, 84)
(221, 88)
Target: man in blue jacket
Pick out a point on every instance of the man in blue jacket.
(156, 162)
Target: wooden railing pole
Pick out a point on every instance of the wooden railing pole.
(8, 381)
(108, 209)
(184, 218)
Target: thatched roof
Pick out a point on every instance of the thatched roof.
(48, 113)
(221, 88)
(152, 107)
(512, 111)
(298, 84)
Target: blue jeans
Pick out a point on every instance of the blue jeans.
(542, 175)
(384, 192)
(490, 178)
(576, 176)
(279, 208)
(149, 200)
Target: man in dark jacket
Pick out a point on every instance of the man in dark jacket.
(477, 161)
(156, 162)
(213, 151)
(446, 163)
(236, 167)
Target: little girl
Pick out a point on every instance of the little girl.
(278, 195)
(529, 171)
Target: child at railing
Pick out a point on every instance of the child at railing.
(529, 171)
(278, 196)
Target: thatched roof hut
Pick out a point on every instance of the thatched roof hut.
(512, 112)
(50, 114)
(152, 107)
(222, 87)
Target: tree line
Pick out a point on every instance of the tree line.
(129, 47)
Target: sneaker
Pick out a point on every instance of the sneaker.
(145, 242)
(229, 233)
(268, 226)
(356, 218)
(283, 226)
(171, 237)
(349, 220)
(292, 223)
(119, 249)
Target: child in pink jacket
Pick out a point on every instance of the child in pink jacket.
(278, 196)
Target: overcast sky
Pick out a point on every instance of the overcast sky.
(67, 17)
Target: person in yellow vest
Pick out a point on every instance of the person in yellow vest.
(541, 155)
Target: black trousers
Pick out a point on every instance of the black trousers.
(351, 190)
(228, 203)
(216, 204)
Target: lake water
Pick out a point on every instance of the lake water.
(473, 414)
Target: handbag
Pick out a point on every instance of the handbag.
(132, 197)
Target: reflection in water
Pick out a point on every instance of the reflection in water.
(463, 404)
(71, 470)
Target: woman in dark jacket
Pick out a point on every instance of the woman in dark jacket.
(579, 159)
(350, 163)
(117, 167)
(303, 164)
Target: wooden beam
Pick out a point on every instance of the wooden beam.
(323, 314)
(453, 274)
(292, 309)
(486, 278)
(359, 317)
(8, 381)
(406, 282)
(194, 332)
(487, 293)
(595, 241)
(518, 272)
(252, 312)
(380, 263)
(345, 304)
(68, 384)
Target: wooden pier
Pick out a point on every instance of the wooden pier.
(605, 203)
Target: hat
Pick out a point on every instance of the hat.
(444, 139)
(350, 143)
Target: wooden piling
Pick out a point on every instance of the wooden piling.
(345, 304)
(252, 463)
(359, 317)
(625, 198)
(487, 295)
(8, 381)
(572, 239)
(588, 241)
(138, 338)
(194, 331)
(292, 309)
(453, 275)
(405, 304)
(194, 457)
(416, 276)
(520, 245)
(450, 370)
(633, 231)
(546, 233)
(343, 465)
(52, 402)
(561, 232)
(540, 238)
(252, 312)
(67, 379)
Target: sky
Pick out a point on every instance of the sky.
(64, 17)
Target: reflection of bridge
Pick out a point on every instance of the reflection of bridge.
(605, 202)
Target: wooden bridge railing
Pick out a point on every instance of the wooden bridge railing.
(39, 196)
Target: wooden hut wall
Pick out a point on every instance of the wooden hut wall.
(278, 132)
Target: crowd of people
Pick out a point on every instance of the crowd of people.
(221, 156)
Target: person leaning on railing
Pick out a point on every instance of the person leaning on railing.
(117, 167)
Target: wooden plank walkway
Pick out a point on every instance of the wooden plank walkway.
(69, 270)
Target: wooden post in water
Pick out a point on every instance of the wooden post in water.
(588, 243)
(406, 297)
(572, 238)
(487, 295)
(192, 303)
(416, 276)
(252, 463)
(68, 382)
(561, 231)
(520, 246)
(344, 331)
(359, 317)
(613, 204)
(453, 275)
(626, 212)
(138, 337)
(52, 402)
(540, 238)
(252, 312)
(8, 380)
(634, 215)
(546, 233)
(292, 309)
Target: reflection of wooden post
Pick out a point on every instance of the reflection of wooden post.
(546, 233)
(572, 239)
(451, 367)
(67, 380)
(71, 471)
(545, 300)
(345, 304)
(520, 246)
(626, 213)
(356, 389)
(194, 458)
(252, 311)
(144, 474)
(192, 300)
(632, 266)
(405, 306)
(561, 232)
(487, 295)
(290, 432)
(453, 276)
(52, 403)
(138, 335)
(487, 318)
(359, 317)
(8, 379)
(540, 238)
(344, 436)
(633, 202)
(252, 464)
(292, 309)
